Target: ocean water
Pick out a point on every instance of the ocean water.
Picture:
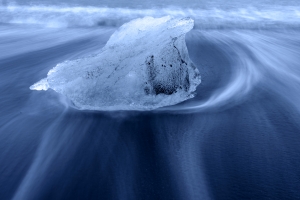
(239, 138)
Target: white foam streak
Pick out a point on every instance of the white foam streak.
(245, 76)
(273, 65)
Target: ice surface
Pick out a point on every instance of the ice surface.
(144, 65)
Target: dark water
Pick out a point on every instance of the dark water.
(239, 138)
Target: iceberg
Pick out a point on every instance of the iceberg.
(143, 66)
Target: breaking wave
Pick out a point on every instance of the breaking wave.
(210, 18)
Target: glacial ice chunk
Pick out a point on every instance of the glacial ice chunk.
(144, 65)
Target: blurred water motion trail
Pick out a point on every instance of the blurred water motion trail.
(239, 138)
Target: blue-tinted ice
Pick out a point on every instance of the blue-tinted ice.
(144, 65)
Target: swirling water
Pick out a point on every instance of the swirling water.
(239, 138)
